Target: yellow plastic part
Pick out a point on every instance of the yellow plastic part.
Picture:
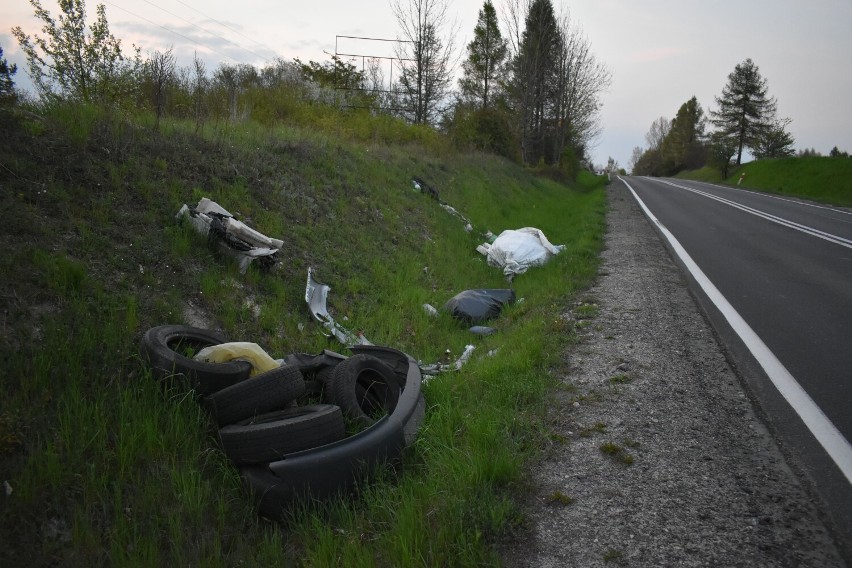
(239, 351)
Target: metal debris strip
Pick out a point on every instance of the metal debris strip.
(316, 296)
(233, 236)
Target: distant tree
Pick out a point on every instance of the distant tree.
(635, 156)
(722, 150)
(234, 79)
(683, 146)
(745, 110)
(427, 75)
(160, 71)
(775, 141)
(7, 84)
(657, 133)
(581, 79)
(809, 153)
(485, 57)
(200, 87)
(650, 163)
(337, 74)
(534, 78)
(835, 152)
(74, 60)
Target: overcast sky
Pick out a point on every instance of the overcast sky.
(660, 52)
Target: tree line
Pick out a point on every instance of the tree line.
(529, 89)
(745, 118)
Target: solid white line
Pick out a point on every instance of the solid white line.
(826, 433)
(768, 216)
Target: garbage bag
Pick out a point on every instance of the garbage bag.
(476, 306)
(515, 251)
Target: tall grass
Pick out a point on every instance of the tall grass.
(107, 467)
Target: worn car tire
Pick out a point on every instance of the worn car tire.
(160, 350)
(256, 395)
(364, 388)
(270, 436)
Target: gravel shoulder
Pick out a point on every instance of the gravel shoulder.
(658, 456)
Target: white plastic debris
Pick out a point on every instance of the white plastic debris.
(430, 309)
(516, 251)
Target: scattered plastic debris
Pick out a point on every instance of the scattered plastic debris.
(482, 330)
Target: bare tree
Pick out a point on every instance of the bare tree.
(160, 68)
(234, 79)
(634, 158)
(657, 134)
(580, 83)
(200, 85)
(426, 56)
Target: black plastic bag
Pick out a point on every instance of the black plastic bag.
(476, 306)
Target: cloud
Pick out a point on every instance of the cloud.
(655, 54)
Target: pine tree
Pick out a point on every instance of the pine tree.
(745, 110)
(535, 77)
(7, 84)
(486, 54)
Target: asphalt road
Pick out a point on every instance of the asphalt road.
(785, 267)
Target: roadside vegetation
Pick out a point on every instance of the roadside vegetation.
(820, 178)
(745, 118)
(101, 466)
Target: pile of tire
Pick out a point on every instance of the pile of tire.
(286, 429)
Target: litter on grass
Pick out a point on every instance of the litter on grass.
(516, 251)
(316, 296)
(477, 306)
(233, 236)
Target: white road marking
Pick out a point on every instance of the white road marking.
(826, 433)
(769, 217)
(779, 198)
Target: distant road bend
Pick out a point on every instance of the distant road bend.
(775, 276)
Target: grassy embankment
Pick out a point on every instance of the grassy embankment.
(102, 466)
(823, 179)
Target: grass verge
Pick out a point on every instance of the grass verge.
(823, 179)
(102, 466)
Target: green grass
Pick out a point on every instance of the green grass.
(107, 467)
(823, 179)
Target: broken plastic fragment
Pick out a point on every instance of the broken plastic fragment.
(316, 295)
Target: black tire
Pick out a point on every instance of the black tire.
(270, 436)
(256, 395)
(364, 388)
(161, 350)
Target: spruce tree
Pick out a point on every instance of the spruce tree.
(745, 111)
(485, 57)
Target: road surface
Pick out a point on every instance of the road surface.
(775, 277)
